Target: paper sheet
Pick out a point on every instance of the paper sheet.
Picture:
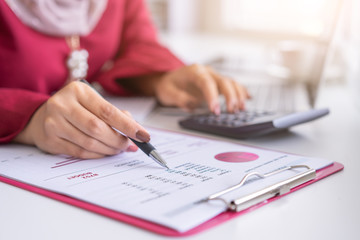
(134, 184)
(139, 107)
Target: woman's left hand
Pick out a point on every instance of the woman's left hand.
(189, 86)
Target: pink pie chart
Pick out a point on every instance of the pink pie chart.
(236, 157)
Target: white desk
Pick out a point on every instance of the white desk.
(328, 209)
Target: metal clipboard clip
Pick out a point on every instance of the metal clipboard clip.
(259, 196)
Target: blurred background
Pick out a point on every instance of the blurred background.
(298, 40)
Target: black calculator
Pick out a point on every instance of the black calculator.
(247, 124)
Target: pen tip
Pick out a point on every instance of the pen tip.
(156, 156)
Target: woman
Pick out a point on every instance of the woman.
(46, 45)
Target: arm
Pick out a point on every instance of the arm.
(145, 67)
(17, 107)
(75, 120)
(139, 55)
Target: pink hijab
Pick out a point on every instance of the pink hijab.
(59, 17)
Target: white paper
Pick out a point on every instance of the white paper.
(139, 107)
(134, 184)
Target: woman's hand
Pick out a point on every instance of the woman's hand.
(189, 86)
(78, 122)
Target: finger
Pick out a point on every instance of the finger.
(62, 128)
(71, 149)
(207, 84)
(91, 126)
(108, 113)
(132, 147)
(76, 136)
(127, 113)
(68, 148)
(227, 89)
(242, 94)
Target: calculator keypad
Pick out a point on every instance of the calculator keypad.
(230, 119)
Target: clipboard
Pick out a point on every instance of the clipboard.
(236, 207)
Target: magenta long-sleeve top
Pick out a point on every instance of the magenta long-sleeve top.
(33, 65)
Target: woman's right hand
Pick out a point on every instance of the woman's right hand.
(77, 121)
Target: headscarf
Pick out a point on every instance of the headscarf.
(59, 17)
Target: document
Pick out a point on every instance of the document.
(134, 184)
(139, 107)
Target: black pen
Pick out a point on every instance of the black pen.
(146, 147)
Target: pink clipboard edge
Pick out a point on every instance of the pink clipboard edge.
(156, 228)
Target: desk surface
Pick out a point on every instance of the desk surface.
(328, 209)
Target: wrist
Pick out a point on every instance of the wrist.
(26, 136)
(143, 85)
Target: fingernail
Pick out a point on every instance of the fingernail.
(242, 107)
(132, 148)
(234, 105)
(143, 136)
(215, 108)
